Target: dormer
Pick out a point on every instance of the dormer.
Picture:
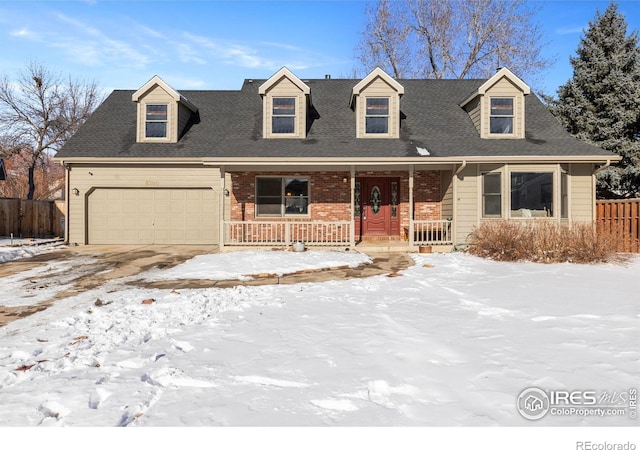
(376, 102)
(497, 106)
(162, 114)
(285, 103)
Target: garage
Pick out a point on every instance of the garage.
(152, 216)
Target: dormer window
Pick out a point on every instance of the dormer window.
(162, 112)
(375, 101)
(286, 101)
(377, 116)
(283, 116)
(497, 107)
(156, 121)
(501, 116)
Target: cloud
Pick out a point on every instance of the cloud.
(100, 47)
(24, 33)
(569, 30)
(230, 53)
(186, 83)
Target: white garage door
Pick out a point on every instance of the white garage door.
(153, 216)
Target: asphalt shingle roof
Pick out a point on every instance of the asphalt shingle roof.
(229, 124)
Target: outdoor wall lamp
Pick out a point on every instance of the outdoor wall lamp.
(75, 191)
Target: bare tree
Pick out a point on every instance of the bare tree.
(48, 177)
(452, 38)
(386, 43)
(39, 112)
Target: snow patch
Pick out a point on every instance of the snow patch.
(335, 404)
(265, 381)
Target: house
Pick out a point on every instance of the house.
(324, 161)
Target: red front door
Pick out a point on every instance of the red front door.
(377, 206)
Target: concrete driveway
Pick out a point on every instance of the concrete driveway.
(79, 269)
(88, 267)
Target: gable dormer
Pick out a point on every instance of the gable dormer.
(162, 113)
(497, 106)
(285, 103)
(376, 102)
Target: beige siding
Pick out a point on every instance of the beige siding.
(467, 197)
(378, 88)
(474, 110)
(285, 88)
(184, 114)
(159, 96)
(582, 197)
(88, 178)
(504, 88)
(446, 189)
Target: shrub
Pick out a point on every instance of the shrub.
(542, 241)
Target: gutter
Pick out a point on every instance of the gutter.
(332, 161)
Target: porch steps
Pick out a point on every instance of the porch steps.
(387, 246)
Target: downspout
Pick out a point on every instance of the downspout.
(67, 185)
(594, 184)
(601, 168)
(461, 168)
(224, 191)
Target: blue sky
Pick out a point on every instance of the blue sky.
(217, 44)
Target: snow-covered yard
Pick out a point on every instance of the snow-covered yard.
(11, 248)
(453, 340)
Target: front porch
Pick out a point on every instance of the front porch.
(403, 209)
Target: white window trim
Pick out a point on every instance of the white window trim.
(482, 194)
(390, 114)
(283, 214)
(167, 137)
(506, 170)
(513, 117)
(295, 117)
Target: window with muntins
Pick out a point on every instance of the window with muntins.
(377, 116)
(283, 115)
(531, 194)
(501, 116)
(156, 121)
(492, 195)
(280, 196)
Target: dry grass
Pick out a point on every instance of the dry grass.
(543, 242)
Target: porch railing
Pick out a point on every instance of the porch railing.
(425, 232)
(285, 233)
(432, 232)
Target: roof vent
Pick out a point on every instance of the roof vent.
(327, 77)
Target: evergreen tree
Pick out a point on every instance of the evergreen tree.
(601, 103)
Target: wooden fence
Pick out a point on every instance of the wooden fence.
(620, 219)
(31, 218)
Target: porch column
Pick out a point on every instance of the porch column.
(352, 228)
(411, 231)
(222, 201)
